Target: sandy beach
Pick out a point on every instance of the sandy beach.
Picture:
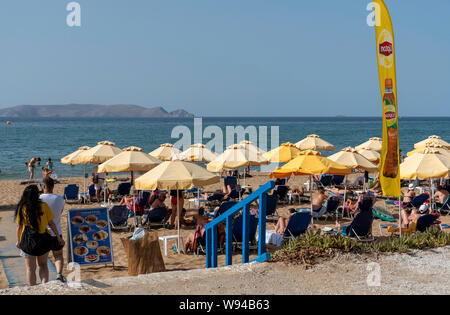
(10, 192)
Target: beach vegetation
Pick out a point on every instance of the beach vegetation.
(314, 247)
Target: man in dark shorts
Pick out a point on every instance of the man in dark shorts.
(56, 204)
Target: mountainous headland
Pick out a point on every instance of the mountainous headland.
(91, 111)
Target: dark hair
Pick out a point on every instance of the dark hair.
(201, 211)
(48, 182)
(321, 189)
(49, 159)
(439, 187)
(292, 210)
(32, 205)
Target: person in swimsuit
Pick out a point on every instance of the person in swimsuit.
(31, 166)
(174, 202)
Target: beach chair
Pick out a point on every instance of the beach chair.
(361, 226)
(91, 193)
(298, 224)
(282, 192)
(445, 208)
(155, 218)
(271, 209)
(230, 181)
(118, 218)
(420, 225)
(337, 180)
(71, 193)
(224, 207)
(237, 230)
(329, 208)
(325, 180)
(122, 190)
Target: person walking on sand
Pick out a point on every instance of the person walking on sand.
(32, 218)
(56, 204)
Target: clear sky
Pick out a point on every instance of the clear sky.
(223, 58)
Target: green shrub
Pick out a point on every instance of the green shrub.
(312, 246)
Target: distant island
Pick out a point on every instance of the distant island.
(91, 111)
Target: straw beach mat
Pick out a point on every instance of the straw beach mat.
(144, 254)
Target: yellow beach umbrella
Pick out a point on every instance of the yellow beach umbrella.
(176, 175)
(426, 165)
(284, 153)
(234, 157)
(197, 153)
(374, 144)
(431, 145)
(314, 142)
(165, 152)
(372, 155)
(351, 158)
(72, 158)
(102, 152)
(311, 163)
(131, 159)
(432, 139)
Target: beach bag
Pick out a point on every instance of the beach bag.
(34, 243)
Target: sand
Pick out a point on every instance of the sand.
(11, 190)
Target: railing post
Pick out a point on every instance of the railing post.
(262, 224)
(229, 241)
(214, 247)
(245, 233)
(208, 248)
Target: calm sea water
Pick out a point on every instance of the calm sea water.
(55, 138)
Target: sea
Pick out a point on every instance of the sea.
(54, 138)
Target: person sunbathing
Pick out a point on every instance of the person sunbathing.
(350, 206)
(318, 199)
(127, 201)
(282, 223)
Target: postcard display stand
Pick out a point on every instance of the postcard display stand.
(89, 237)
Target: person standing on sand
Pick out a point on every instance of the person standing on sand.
(56, 204)
(31, 166)
(32, 218)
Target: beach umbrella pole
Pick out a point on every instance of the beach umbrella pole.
(400, 214)
(178, 213)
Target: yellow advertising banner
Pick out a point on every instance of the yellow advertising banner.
(389, 159)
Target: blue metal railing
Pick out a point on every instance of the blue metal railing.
(244, 204)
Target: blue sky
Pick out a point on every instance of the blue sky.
(223, 58)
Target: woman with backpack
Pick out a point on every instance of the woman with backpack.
(33, 239)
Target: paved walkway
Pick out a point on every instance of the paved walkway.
(13, 263)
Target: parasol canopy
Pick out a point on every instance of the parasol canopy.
(311, 163)
(234, 157)
(284, 153)
(165, 152)
(432, 139)
(72, 158)
(131, 159)
(429, 164)
(350, 158)
(102, 152)
(374, 144)
(314, 142)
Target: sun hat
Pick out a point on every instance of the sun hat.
(423, 208)
(411, 186)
